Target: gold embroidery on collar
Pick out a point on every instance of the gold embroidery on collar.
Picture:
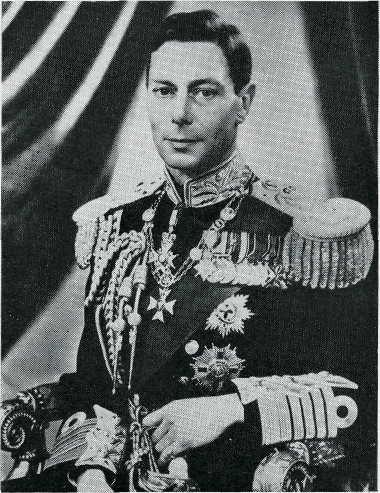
(215, 186)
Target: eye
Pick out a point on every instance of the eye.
(164, 92)
(204, 94)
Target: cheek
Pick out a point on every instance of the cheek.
(155, 124)
(222, 124)
(156, 132)
(153, 113)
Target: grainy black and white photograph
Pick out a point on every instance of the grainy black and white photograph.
(189, 261)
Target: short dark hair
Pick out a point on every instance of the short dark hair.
(205, 25)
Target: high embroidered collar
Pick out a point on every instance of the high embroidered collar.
(214, 186)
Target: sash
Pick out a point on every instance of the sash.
(195, 300)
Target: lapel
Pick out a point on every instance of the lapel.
(195, 300)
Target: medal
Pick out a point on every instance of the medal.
(230, 315)
(215, 366)
(161, 305)
(161, 260)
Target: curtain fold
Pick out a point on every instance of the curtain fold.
(343, 42)
(22, 25)
(38, 53)
(53, 161)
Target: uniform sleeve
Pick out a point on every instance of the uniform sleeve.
(93, 433)
(328, 316)
(326, 391)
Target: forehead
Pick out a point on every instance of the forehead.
(179, 61)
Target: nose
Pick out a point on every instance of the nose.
(181, 110)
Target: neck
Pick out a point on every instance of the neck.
(181, 176)
(214, 185)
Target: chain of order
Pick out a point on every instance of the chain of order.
(207, 241)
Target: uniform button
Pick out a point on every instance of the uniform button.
(192, 347)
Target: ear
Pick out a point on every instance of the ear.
(246, 96)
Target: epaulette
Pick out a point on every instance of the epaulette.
(98, 220)
(330, 244)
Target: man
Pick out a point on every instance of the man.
(201, 293)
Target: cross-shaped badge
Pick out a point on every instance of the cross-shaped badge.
(161, 305)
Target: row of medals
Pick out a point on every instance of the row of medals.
(162, 260)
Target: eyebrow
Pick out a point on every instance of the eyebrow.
(200, 82)
(164, 82)
(192, 84)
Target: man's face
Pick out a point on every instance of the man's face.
(192, 105)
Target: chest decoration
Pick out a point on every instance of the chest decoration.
(215, 366)
(246, 273)
(230, 315)
(161, 305)
(161, 261)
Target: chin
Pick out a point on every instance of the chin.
(181, 161)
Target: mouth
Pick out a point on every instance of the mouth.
(182, 141)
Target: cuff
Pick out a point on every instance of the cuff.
(297, 408)
(74, 474)
(97, 442)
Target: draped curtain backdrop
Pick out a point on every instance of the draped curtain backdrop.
(70, 70)
(72, 86)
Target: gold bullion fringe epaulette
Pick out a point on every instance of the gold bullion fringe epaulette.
(285, 198)
(96, 441)
(329, 246)
(93, 225)
(94, 228)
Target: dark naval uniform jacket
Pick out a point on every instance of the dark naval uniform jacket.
(278, 291)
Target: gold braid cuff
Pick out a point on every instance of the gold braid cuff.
(92, 442)
(105, 442)
(298, 407)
